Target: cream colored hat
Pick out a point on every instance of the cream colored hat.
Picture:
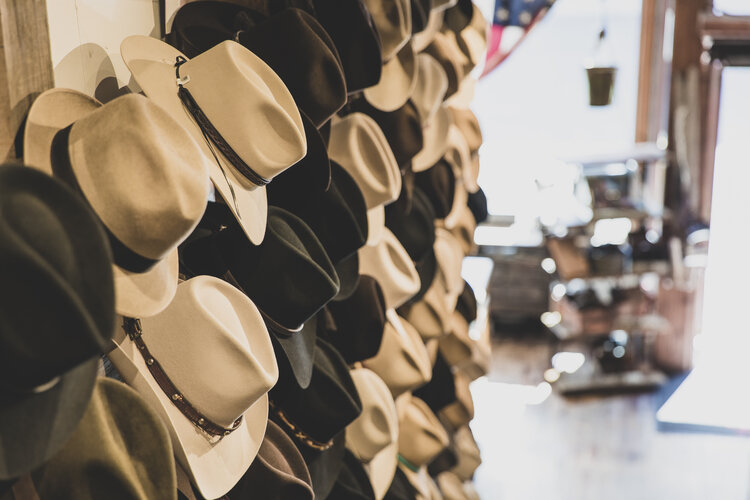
(206, 364)
(257, 129)
(464, 230)
(465, 93)
(425, 37)
(373, 436)
(389, 263)
(481, 353)
(402, 361)
(140, 171)
(421, 435)
(435, 140)
(457, 346)
(392, 19)
(358, 144)
(458, 155)
(461, 411)
(425, 488)
(430, 316)
(451, 486)
(469, 456)
(397, 81)
(471, 491)
(474, 36)
(432, 83)
(449, 260)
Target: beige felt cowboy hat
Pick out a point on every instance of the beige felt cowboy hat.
(467, 450)
(424, 486)
(392, 19)
(397, 81)
(430, 315)
(205, 364)
(139, 170)
(358, 144)
(451, 486)
(421, 435)
(373, 436)
(464, 230)
(449, 260)
(237, 109)
(430, 87)
(434, 22)
(457, 346)
(435, 140)
(402, 361)
(390, 264)
(458, 155)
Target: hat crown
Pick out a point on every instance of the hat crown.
(149, 193)
(402, 361)
(421, 435)
(357, 143)
(390, 263)
(377, 426)
(458, 153)
(432, 84)
(450, 258)
(213, 345)
(57, 299)
(393, 21)
(228, 71)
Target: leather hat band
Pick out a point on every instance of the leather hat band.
(132, 327)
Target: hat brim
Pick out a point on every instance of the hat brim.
(213, 468)
(382, 468)
(298, 351)
(435, 142)
(137, 295)
(418, 479)
(36, 426)
(425, 37)
(151, 63)
(397, 81)
(348, 272)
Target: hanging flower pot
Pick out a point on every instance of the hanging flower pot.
(601, 85)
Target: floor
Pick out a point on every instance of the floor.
(538, 445)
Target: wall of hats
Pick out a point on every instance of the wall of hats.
(233, 253)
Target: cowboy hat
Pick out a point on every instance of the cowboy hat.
(397, 82)
(435, 133)
(291, 42)
(389, 262)
(461, 411)
(432, 84)
(194, 91)
(57, 311)
(289, 301)
(421, 435)
(469, 456)
(402, 361)
(429, 315)
(392, 19)
(120, 449)
(373, 436)
(216, 429)
(440, 391)
(149, 193)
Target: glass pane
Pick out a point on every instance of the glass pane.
(733, 7)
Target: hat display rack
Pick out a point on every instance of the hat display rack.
(242, 279)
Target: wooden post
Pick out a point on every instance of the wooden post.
(25, 66)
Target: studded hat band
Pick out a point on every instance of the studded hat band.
(132, 327)
(298, 433)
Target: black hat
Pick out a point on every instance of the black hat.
(440, 391)
(317, 415)
(57, 314)
(415, 229)
(402, 128)
(467, 303)
(439, 184)
(358, 321)
(478, 206)
(291, 42)
(459, 16)
(289, 277)
(444, 461)
(420, 15)
(353, 482)
(338, 216)
(401, 488)
(353, 33)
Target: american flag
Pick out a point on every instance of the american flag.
(512, 20)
